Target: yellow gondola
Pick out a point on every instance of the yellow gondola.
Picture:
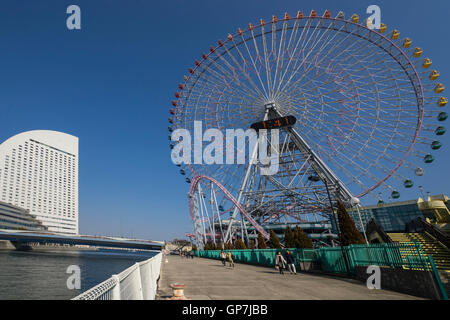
(383, 28)
(395, 34)
(434, 75)
(407, 43)
(355, 18)
(442, 101)
(417, 52)
(439, 88)
(427, 63)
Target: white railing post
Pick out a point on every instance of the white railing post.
(154, 275)
(138, 282)
(149, 284)
(115, 292)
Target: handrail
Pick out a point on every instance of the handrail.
(372, 225)
(138, 282)
(435, 232)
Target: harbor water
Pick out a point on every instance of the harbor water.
(42, 274)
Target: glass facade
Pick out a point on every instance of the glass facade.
(391, 217)
(15, 218)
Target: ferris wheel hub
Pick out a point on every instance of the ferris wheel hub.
(270, 105)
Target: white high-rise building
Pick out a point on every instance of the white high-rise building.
(39, 172)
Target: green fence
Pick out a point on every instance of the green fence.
(344, 260)
(332, 259)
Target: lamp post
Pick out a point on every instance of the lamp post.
(356, 203)
(338, 229)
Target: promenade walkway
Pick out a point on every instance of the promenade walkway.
(207, 279)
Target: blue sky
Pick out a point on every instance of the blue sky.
(111, 84)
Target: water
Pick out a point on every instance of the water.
(42, 274)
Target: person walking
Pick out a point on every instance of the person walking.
(230, 259)
(280, 263)
(223, 257)
(290, 262)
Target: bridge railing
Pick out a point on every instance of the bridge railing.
(138, 282)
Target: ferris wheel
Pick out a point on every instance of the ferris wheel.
(368, 111)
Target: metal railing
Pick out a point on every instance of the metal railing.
(372, 226)
(435, 232)
(396, 255)
(138, 282)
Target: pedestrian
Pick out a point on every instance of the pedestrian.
(290, 261)
(280, 262)
(223, 257)
(230, 259)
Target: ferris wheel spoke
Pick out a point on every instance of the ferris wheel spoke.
(266, 62)
(344, 157)
(221, 75)
(247, 76)
(324, 57)
(281, 47)
(253, 61)
(377, 154)
(292, 53)
(349, 49)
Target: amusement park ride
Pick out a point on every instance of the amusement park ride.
(360, 106)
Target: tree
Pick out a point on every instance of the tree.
(289, 239)
(349, 233)
(273, 241)
(219, 245)
(252, 244)
(301, 240)
(194, 248)
(261, 241)
(239, 244)
(210, 246)
(228, 246)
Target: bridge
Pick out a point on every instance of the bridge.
(207, 279)
(26, 237)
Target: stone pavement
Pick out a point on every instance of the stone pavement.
(207, 279)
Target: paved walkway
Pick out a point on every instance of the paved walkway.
(207, 279)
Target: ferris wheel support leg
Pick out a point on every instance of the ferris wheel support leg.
(218, 212)
(202, 217)
(244, 183)
(241, 191)
(206, 216)
(197, 221)
(324, 172)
